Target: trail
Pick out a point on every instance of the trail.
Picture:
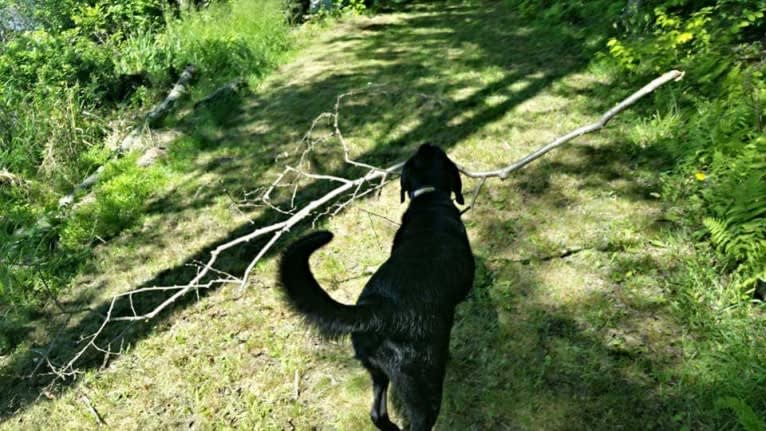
(548, 340)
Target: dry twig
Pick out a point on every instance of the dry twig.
(89, 404)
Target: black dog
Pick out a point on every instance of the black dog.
(400, 326)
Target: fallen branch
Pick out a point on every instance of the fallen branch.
(347, 191)
(134, 137)
(673, 75)
(225, 90)
(178, 91)
(89, 404)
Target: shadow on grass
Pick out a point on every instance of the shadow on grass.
(521, 365)
(434, 50)
(614, 353)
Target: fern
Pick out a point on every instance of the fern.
(738, 203)
(745, 414)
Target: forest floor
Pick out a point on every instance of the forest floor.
(569, 325)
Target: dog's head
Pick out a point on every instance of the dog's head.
(430, 167)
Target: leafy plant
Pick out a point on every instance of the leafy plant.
(119, 202)
(745, 414)
(738, 223)
(718, 139)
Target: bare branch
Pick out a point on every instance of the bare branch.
(673, 75)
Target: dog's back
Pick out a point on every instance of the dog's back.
(431, 266)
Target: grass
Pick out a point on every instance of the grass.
(628, 333)
(227, 41)
(61, 126)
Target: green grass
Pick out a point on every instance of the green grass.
(229, 40)
(632, 332)
(60, 126)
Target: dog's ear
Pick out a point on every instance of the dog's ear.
(455, 183)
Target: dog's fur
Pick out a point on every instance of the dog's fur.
(400, 326)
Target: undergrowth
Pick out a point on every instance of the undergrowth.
(708, 136)
(71, 75)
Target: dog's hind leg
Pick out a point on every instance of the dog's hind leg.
(422, 397)
(379, 410)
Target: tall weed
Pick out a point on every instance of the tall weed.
(232, 39)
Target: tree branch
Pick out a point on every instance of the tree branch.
(673, 75)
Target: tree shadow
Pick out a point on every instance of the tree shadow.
(239, 141)
(521, 361)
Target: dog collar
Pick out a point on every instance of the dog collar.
(421, 191)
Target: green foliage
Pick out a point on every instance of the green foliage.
(738, 221)
(697, 38)
(119, 202)
(213, 41)
(59, 82)
(336, 8)
(64, 80)
(673, 41)
(721, 147)
(721, 111)
(355, 7)
(745, 414)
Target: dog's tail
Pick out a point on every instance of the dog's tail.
(305, 296)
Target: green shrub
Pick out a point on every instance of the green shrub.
(719, 135)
